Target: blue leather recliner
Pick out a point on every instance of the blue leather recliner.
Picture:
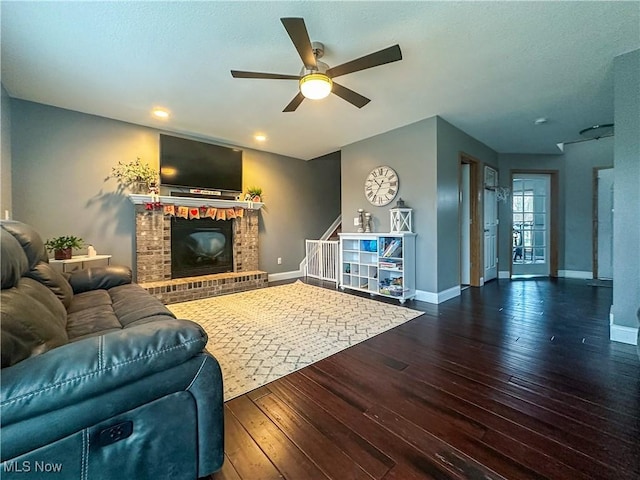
(99, 380)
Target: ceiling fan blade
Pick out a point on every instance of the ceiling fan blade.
(272, 76)
(295, 103)
(387, 55)
(298, 33)
(349, 95)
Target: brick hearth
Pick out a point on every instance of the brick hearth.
(153, 260)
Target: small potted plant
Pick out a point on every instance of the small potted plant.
(254, 194)
(135, 175)
(62, 247)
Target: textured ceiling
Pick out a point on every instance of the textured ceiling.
(490, 68)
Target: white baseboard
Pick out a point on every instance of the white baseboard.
(561, 273)
(274, 277)
(432, 297)
(622, 334)
(575, 274)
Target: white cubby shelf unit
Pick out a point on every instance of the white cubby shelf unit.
(379, 264)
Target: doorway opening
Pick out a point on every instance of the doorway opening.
(603, 223)
(470, 222)
(533, 224)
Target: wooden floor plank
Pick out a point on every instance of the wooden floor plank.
(284, 454)
(324, 452)
(372, 460)
(243, 453)
(514, 380)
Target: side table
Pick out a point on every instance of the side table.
(79, 262)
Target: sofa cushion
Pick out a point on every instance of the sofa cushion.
(53, 280)
(13, 260)
(33, 321)
(82, 301)
(132, 303)
(96, 319)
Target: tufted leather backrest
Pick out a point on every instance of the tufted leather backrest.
(33, 299)
(33, 249)
(14, 263)
(29, 240)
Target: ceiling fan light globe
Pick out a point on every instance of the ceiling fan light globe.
(315, 86)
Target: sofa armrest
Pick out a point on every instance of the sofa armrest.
(77, 371)
(100, 277)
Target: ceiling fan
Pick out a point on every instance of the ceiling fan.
(316, 77)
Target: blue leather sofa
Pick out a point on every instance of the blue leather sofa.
(99, 380)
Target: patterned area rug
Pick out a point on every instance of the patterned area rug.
(262, 335)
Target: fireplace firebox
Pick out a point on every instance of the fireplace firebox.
(201, 247)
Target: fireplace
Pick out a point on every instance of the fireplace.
(155, 257)
(201, 247)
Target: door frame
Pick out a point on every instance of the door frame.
(554, 209)
(594, 234)
(476, 228)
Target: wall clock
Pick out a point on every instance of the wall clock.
(381, 186)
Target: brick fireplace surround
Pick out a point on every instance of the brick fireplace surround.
(153, 258)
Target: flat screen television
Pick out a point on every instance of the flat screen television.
(193, 164)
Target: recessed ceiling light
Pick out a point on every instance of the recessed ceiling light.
(160, 113)
(260, 137)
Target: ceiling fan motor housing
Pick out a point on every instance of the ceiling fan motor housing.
(318, 49)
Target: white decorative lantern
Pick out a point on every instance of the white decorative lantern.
(401, 218)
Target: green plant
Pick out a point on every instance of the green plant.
(135, 171)
(61, 243)
(252, 193)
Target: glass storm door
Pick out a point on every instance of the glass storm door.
(530, 220)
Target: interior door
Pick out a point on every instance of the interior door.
(490, 224)
(531, 224)
(605, 223)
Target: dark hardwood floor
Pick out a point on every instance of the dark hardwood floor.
(515, 380)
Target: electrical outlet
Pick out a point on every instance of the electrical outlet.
(279, 260)
(356, 221)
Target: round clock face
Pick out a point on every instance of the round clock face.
(381, 186)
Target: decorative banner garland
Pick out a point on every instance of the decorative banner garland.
(196, 212)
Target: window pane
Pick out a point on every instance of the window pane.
(517, 185)
(540, 204)
(538, 239)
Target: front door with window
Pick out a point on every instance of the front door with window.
(530, 235)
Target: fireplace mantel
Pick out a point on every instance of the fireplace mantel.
(137, 199)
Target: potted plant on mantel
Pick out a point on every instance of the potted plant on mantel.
(254, 194)
(62, 247)
(135, 175)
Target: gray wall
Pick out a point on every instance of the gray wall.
(426, 156)
(508, 162)
(411, 151)
(580, 159)
(61, 159)
(626, 190)
(451, 143)
(575, 228)
(5, 152)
